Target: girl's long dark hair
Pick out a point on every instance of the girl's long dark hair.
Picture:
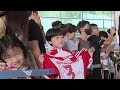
(17, 23)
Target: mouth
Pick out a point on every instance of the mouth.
(17, 63)
(62, 43)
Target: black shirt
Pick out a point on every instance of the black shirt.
(35, 33)
(96, 42)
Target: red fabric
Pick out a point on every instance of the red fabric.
(85, 57)
(49, 64)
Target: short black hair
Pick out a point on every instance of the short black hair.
(69, 28)
(52, 32)
(109, 32)
(81, 24)
(56, 23)
(93, 25)
(103, 33)
(111, 53)
(9, 41)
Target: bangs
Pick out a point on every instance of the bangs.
(53, 32)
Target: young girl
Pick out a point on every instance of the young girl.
(13, 54)
(65, 64)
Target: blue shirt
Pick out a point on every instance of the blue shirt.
(70, 45)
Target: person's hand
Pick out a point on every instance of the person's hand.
(112, 31)
(2, 66)
(36, 18)
(103, 57)
(92, 49)
(85, 49)
(41, 60)
(76, 41)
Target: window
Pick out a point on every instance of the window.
(104, 19)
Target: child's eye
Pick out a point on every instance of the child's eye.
(56, 37)
(8, 57)
(62, 36)
(18, 53)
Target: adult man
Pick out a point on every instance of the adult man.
(97, 42)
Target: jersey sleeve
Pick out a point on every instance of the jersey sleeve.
(87, 59)
(47, 64)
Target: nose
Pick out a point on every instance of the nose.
(61, 39)
(14, 59)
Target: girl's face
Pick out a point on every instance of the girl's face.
(14, 57)
(71, 36)
(57, 42)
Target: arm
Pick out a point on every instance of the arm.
(43, 34)
(34, 46)
(2, 66)
(110, 38)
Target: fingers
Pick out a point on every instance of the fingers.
(2, 66)
(41, 58)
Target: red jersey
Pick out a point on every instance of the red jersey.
(66, 64)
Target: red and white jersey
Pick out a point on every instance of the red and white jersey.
(66, 64)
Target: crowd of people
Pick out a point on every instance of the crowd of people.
(89, 57)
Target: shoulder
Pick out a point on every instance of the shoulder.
(32, 23)
(93, 38)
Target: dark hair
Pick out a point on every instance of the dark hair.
(69, 28)
(56, 23)
(109, 32)
(93, 25)
(11, 41)
(82, 24)
(30, 12)
(103, 33)
(17, 23)
(52, 32)
(111, 53)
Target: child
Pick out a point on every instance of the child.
(13, 54)
(69, 31)
(66, 64)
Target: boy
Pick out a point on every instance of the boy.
(69, 31)
(66, 64)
